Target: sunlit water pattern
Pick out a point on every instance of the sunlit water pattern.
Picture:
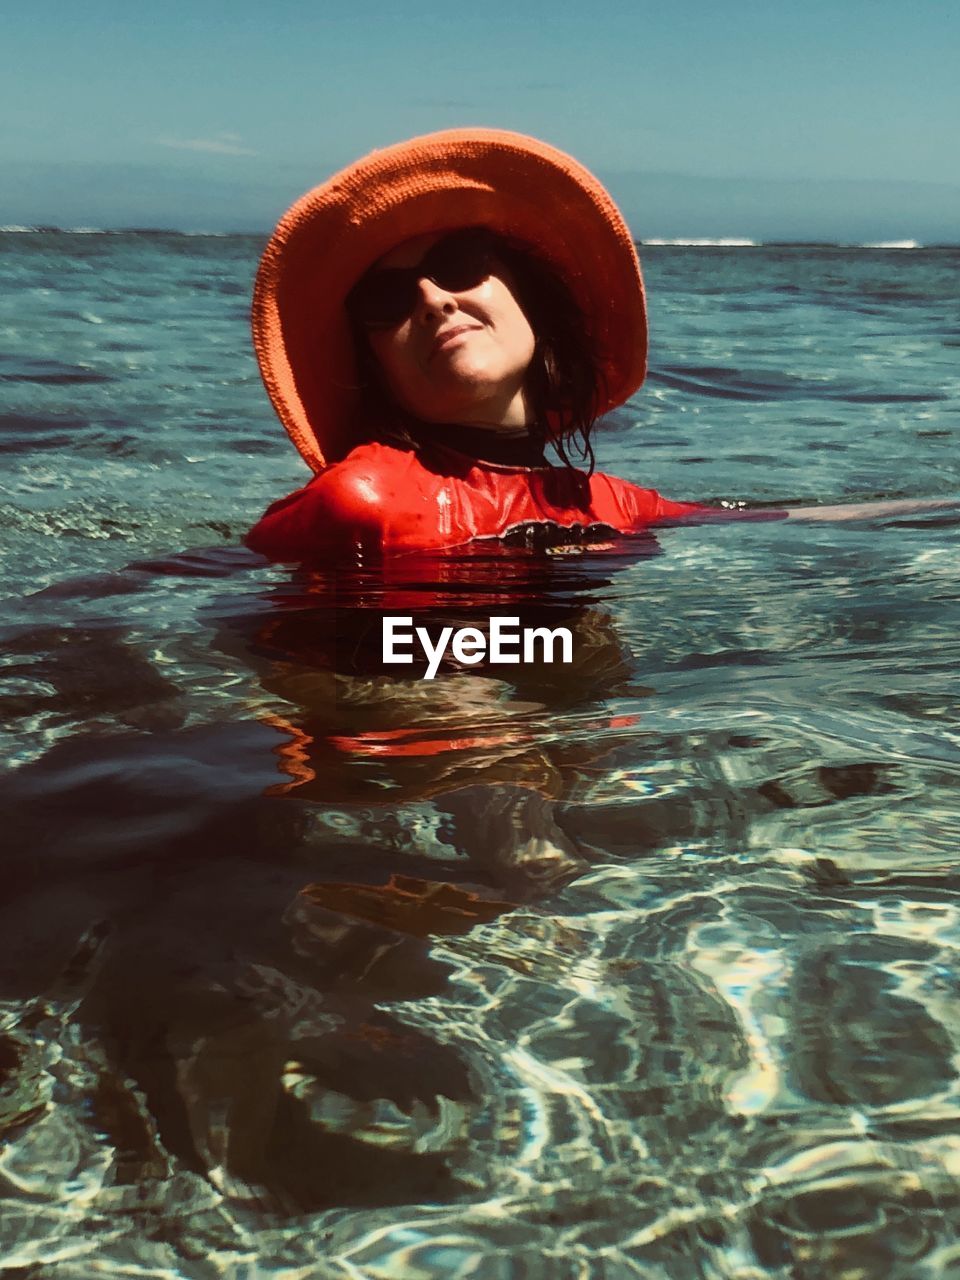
(646, 967)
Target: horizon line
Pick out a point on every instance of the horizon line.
(647, 242)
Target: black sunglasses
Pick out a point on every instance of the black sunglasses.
(386, 296)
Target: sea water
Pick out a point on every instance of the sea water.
(642, 966)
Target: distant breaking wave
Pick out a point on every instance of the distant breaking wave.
(704, 242)
(43, 229)
(892, 244)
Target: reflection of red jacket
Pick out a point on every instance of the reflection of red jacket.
(381, 499)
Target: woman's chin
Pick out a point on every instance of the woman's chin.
(463, 395)
(460, 367)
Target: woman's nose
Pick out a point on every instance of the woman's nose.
(433, 300)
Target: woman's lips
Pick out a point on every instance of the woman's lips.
(447, 336)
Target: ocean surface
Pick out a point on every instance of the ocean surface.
(646, 966)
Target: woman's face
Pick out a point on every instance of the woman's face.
(459, 357)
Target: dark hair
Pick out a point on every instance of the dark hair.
(565, 381)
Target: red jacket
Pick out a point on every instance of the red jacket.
(383, 500)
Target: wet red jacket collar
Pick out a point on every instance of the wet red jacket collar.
(382, 500)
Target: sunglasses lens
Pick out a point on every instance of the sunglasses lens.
(459, 262)
(383, 298)
(386, 297)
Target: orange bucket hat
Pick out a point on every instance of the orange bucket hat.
(507, 182)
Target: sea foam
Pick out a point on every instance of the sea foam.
(704, 242)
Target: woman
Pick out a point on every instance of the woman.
(428, 323)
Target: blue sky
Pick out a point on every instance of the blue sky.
(705, 118)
